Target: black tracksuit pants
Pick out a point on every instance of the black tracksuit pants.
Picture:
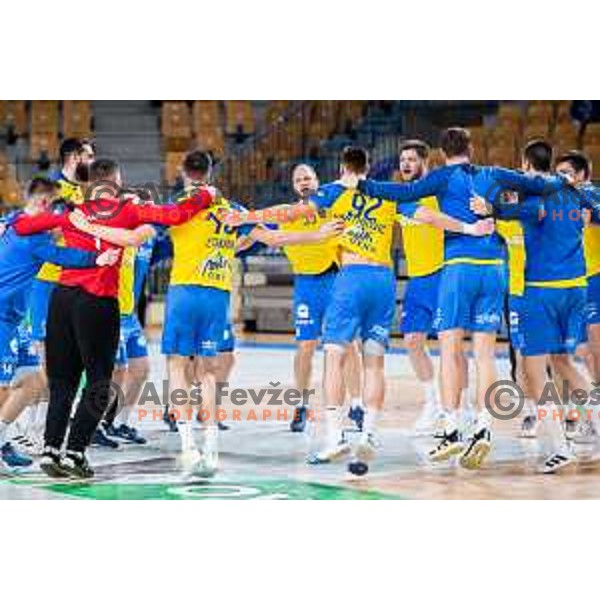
(82, 335)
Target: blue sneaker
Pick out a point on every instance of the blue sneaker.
(102, 440)
(14, 458)
(357, 414)
(298, 424)
(124, 432)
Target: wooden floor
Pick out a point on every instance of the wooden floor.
(262, 459)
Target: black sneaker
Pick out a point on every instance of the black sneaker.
(101, 438)
(51, 463)
(478, 447)
(76, 465)
(451, 443)
(298, 423)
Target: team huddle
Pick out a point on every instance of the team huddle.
(483, 245)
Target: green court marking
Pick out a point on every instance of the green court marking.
(239, 490)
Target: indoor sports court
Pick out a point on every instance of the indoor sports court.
(263, 460)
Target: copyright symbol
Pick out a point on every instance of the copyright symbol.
(504, 409)
(100, 198)
(95, 397)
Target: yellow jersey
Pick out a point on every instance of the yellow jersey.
(423, 243)
(309, 259)
(71, 193)
(126, 279)
(369, 221)
(591, 245)
(512, 233)
(204, 249)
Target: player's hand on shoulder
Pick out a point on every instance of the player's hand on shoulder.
(331, 229)
(79, 220)
(349, 180)
(108, 258)
(480, 206)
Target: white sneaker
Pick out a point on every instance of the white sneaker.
(28, 445)
(209, 455)
(189, 460)
(331, 454)
(366, 449)
(557, 461)
(428, 420)
(585, 433)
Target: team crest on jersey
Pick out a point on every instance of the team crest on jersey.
(302, 311)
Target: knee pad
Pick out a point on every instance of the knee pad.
(373, 348)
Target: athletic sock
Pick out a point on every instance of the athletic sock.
(430, 392)
(372, 420)
(333, 425)
(484, 419)
(357, 402)
(40, 417)
(124, 417)
(4, 425)
(186, 435)
(450, 420)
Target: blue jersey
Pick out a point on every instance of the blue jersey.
(454, 186)
(141, 267)
(21, 258)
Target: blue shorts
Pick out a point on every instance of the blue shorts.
(132, 341)
(195, 320)
(420, 304)
(363, 301)
(471, 297)
(553, 320)
(39, 301)
(311, 297)
(228, 340)
(593, 300)
(16, 350)
(516, 306)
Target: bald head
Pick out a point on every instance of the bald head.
(304, 180)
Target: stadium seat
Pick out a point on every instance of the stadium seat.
(540, 111)
(239, 117)
(436, 158)
(10, 192)
(206, 114)
(173, 162)
(591, 134)
(510, 112)
(566, 134)
(501, 156)
(16, 116)
(43, 143)
(44, 116)
(563, 111)
(76, 118)
(535, 131)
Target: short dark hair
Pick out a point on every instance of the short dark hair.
(41, 185)
(197, 164)
(102, 169)
(356, 159)
(420, 147)
(68, 147)
(578, 160)
(455, 141)
(539, 154)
